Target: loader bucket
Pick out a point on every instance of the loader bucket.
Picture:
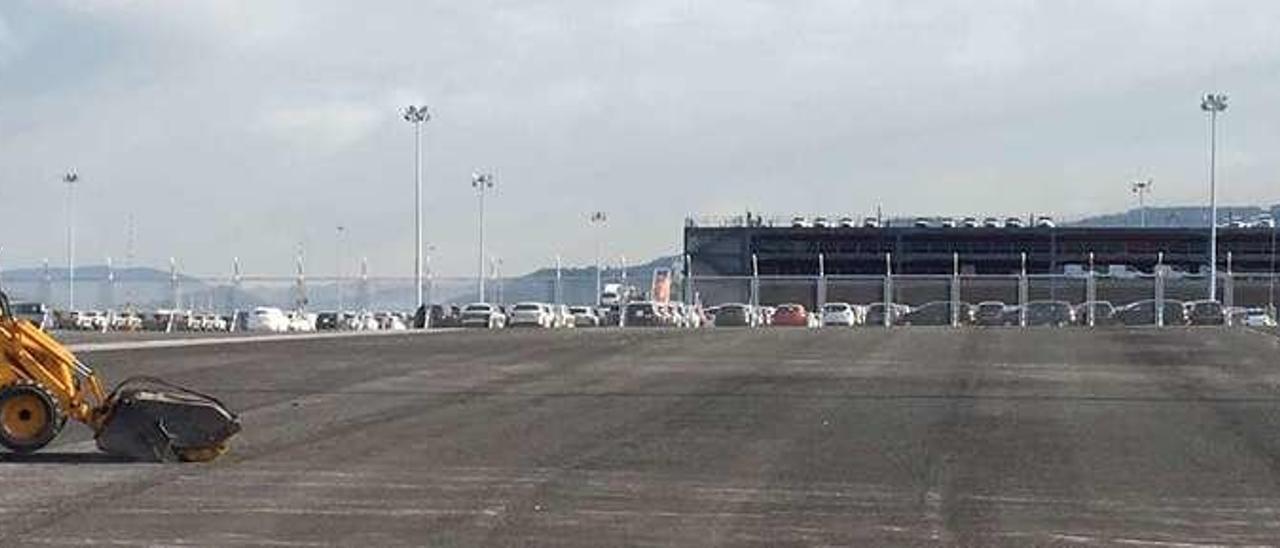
(151, 420)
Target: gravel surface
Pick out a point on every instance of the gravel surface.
(712, 437)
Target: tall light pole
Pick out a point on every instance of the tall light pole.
(338, 268)
(417, 116)
(70, 179)
(598, 219)
(1213, 103)
(481, 182)
(1142, 188)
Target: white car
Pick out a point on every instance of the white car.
(483, 315)
(388, 321)
(126, 321)
(531, 314)
(564, 318)
(89, 319)
(268, 318)
(584, 316)
(1258, 317)
(841, 314)
(363, 321)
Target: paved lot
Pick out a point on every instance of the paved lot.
(714, 437)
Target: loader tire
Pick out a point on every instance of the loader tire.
(29, 417)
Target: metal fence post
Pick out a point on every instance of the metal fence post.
(173, 287)
(888, 290)
(1091, 293)
(755, 288)
(1228, 289)
(233, 295)
(955, 290)
(689, 295)
(820, 299)
(1022, 292)
(1159, 290)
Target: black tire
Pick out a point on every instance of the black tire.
(21, 403)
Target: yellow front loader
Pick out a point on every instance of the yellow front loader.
(42, 384)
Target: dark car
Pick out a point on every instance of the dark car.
(1105, 311)
(993, 313)
(937, 313)
(734, 315)
(642, 314)
(1206, 313)
(1050, 313)
(327, 321)
(876, 314)
(1144, 313)
(439, 315)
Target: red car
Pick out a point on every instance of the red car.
(791, 315)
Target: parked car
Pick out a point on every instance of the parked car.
(838, 314)
(643, 314)
(821, 222)
(483, 315)
(947, 222)
(1105, 311)
(1045, 222)
(531, 314)
(937, 313)
(871, 222)
(969, 222)
(799, 222)
(922, 222)
(362, 321)
(736, 315)
(993, 313)
(301, 321)
(1013, 222)
(126, 321)
(89, 319)
(1144, 313)
(445, 315)
(584, 316)
(1050, 313)
(327, 321)
(1258, 317)
(876, 313)
(390, 321)
(791, 315)
(1205, 313)
(846, 222)
(991, 222)
(266, 318)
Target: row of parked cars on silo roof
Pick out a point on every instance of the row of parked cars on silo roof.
(924, 222)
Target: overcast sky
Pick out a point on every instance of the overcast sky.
(243, 128)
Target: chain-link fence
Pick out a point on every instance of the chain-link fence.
(1158, 299)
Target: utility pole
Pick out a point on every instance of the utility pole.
(598, 219)
(338, 268)
(417, 116)
(1213, 103)
(481, 182)
(70, 179)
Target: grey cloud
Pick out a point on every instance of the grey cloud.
(267, 123)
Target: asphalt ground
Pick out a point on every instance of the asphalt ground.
(700, 437)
